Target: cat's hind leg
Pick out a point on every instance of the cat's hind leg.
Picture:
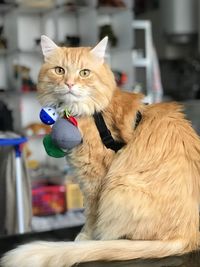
(124, 212)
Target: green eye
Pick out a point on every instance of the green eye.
(84, 73)
(59, 71)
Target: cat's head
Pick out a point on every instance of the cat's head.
(75, 78)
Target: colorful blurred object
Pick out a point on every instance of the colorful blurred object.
(120, 77)
(48, 200)
(74, 197)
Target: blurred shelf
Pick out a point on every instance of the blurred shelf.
(110, 10)
(33, 10)
(34, 52)
(4, 8)
(3, 52)
(140, 62)
(68, 219)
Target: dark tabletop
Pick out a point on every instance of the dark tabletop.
(190, 260)
(9, 242)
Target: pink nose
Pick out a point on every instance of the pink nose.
(69, 84)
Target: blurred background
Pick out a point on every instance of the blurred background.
(154, 48)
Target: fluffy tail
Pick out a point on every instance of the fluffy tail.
(51, 254)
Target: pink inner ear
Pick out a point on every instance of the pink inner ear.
(48, 46)
(100, 49)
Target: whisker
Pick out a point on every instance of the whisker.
(46, 93)
(44, 82)
(59, 90)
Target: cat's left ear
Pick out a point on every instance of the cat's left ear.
(100, 49)
(48, 46)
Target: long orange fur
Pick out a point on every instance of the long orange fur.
(140, 202)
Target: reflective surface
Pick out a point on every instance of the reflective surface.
(188, 260)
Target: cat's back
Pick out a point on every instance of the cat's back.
(165, 110)
(168, 122)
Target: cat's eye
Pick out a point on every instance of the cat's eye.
(59, 71)
(84, 73)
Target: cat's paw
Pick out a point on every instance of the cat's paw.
(38, 254)
(83, 236)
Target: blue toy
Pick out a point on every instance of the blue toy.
(48, 115)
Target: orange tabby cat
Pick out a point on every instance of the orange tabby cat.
(140, 202)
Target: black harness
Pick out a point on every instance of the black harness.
(105, 133)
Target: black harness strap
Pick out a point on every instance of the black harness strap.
(105, 133)
(138, 119)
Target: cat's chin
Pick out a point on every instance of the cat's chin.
(77, 108)
(81, 109)
(71, 97)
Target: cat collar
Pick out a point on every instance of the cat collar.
(105, 133)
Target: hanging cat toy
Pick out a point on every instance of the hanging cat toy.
(64, 135)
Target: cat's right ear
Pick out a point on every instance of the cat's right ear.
(48, 46)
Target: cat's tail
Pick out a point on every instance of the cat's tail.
(51, 254)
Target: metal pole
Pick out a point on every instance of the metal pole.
(19, 191)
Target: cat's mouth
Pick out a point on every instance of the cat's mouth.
(71, 94)
(64, 90)
(70, 97)
(66, 93)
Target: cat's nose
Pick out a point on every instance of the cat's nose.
(70, 85)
